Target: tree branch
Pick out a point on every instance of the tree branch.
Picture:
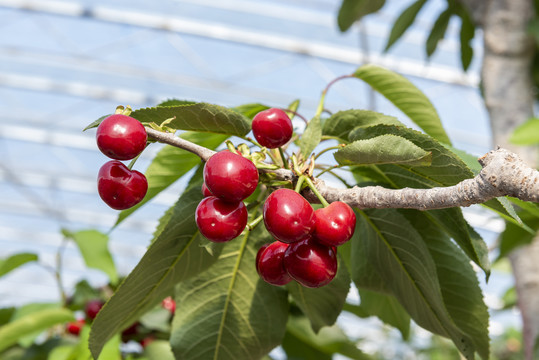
(504, 173)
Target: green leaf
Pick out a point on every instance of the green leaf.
(383, 306)
(467, 33)
(37, 321)
(392, 252)
(527, 133)
(93, 246)
(29, 309)
(403, 22)
(405, 96)
(159, 350)
(83, 293)
(14, 261)
(311, 137)
(197, 117)
(157, 319)
(170, 164)
(383, 149)
(438, 31)
(322, 305)
(353, 10)
(96, 123)
(342, 123)
(111, 350)
(514, 236)
(6, 314)
(176, 102)
(250, 110)
(300, 342)
(174, 256)
(453, 223)
(462, 295)
(446, 169)
(228, 312)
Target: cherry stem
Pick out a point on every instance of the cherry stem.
(320, 108)
(299, 184)
(255, 222)
(295, 113)
(329, 168)
(283, 158)
(132, 163)
(339, 178)
(316, 192)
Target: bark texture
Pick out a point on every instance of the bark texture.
(506, 75)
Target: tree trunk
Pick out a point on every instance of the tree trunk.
(508, 94)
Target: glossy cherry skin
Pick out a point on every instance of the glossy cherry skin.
(269, 263)
(121, 137)
(288, 216)
(311, 264)
(92, 308)
(230, 176)
(220, 221)
(205, 191)
(335, 224)
(272, 128)
(119, 187)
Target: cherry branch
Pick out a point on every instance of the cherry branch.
(503, 174)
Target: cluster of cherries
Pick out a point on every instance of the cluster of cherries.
(121, 137)
(91, 309)
(306, 240)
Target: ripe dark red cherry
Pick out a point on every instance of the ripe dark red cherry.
(230, 176)
(220, 221)
(121, 137)
(92, 308)
(269, 263)
(272, 128)
(335, 224)
(288, 216)
(205, 191)
(311, 264)
(119, 187)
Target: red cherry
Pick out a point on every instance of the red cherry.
(205, 191)
(220, 221)
(269, 263)
(310, 263)
(169, 304)
(92, 308)
(272, 128)
(119, 187)
(121, 137)
(288, 216)
(335, 224)
(75, 327)
(230, 176)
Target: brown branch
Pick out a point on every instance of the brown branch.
(503, 174)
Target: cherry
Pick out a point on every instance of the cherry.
(75, 327)
(93, 307)
(230, 176)
(288, 216)
(169, 304)
(205, 191)
(147, 341)
(272, 128)
(269, 263)
(121, 137)
(220, 221)
(119, 187)
(309, 263)
(335, 224)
